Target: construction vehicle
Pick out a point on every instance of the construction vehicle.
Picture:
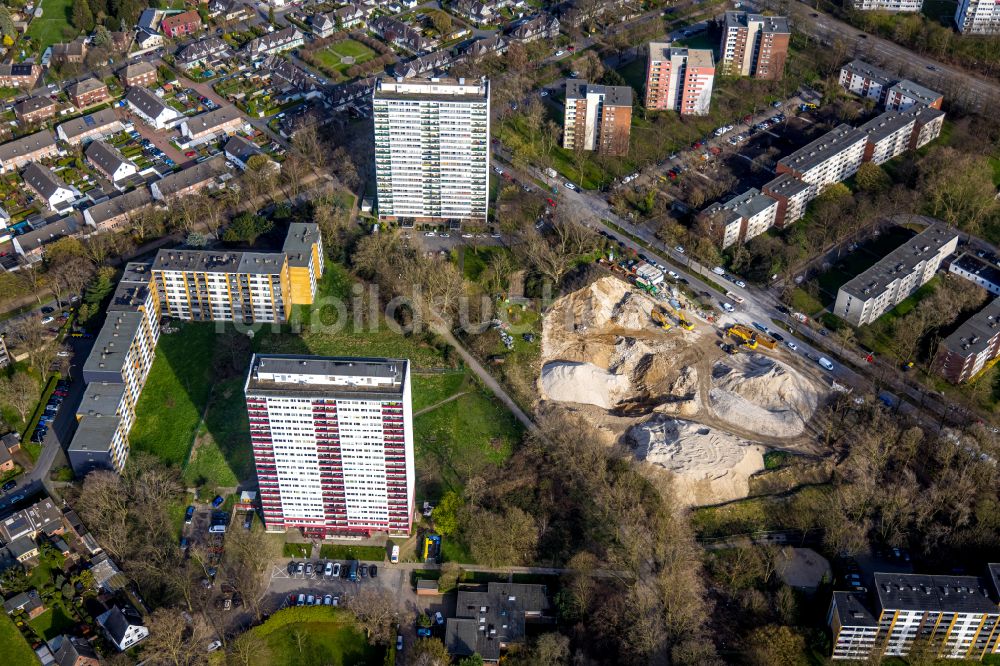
(767, 341)
(660, 319)
(646, 286)
(678, 314)
(730, 349)
(746, 335)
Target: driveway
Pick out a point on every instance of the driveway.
(160, 138)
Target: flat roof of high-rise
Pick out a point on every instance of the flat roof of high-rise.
(299, 242)
(219, 261)
(851, 610)
(113, 342)
(915, 592)
(900, 261)
(432, 89)
(774, 24)
(326, 375)
(815, 153)
(885, 125)
(613, 95)
(974, 336)
(870, 72)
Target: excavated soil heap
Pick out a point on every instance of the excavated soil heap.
(709, 465)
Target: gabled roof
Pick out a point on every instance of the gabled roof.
(21, 546)
(116, 622)
(138, 69)
(183, 18)
(105, 157)
(25, 600)
(84, 124)
(206, 122)
(83, 87)
(147, 102)
(193, 175)
(27, 144)
(241, 148)
(46, 234)
(43, 180)
(33, 104)
(119, 205)
(72, 649)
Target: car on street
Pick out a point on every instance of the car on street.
(498, 171)
(777, 336)
(63, 353)
(445, 235)
(189, 515)
(560, 53)
(399, 642)
(791, 345)
(430, 234)
(825, 363)
(719, 270)
(673, 274)
(740, 283)
(727, 307)
(569, 185)
(10, 485)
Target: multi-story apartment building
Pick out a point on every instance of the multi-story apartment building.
(829, 159)
(864, 298)
(978, 271)
(178, 25)
(333, 443)
(597, 118)
(889, 135)
(19, 76)
(973, 346)
(223, 286)
(887, 5)
(96, 125)
(115, 372)
(679, 79)
(742, 217)
(792, 195)
(954, 617)
(865, 80)
(304, 249)
(927, 127)
(35, 110)
(978, 17)
(754, 45)
(140, 73)
(906, 94)
(432, 145)
(88, 92)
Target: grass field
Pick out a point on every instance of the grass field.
(431, 389)
(330, 58)
(16, 651)
(330, 551)
(48, 30)
(315, 636)
(52, 623)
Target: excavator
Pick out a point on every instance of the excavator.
(660, 319)
(746, 335)
(678, 314)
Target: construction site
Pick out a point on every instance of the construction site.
(697, 397)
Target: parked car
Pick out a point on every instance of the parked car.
(438, 618)
(399, 642)
(10, 485)
(309, 568)
(335, 570)
(727, 307)
(310, 600)
(328, 570)
(424, 632)
(373, 571)
(189, 515)
(363, 570)
(300, 568)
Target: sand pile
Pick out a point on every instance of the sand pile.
(583, 383)
(708, 465)
(760, 394)
(632, 312)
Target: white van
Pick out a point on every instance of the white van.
(719, 270)
(825, 362)
(394, 558)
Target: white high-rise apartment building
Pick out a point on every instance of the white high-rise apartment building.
(333, 443)
(978, 17)
(432, 147)
(887, 5)
(829, 159)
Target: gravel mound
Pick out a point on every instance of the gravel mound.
(583, 383)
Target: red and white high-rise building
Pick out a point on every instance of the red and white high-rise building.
(333, 443)
(679, 79)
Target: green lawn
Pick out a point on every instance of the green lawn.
(432, 389)
(176, 392)
(222, 453)
(459, 440)
(299, 550)
(52, 623)
(322, 635)
(330, 551)
(329, 59)
(48, 30)
(16, 651)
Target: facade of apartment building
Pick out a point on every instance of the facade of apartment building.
(679, 79)
(88, 92)
(865, 80)
(597, 118)
(792, 195)
(866, 297)
(889, 135)
(906, 94)
(141, 74)
(955, 617)
(754, 45)
(742, 217)
(15, 154)
(333, 443)
(978, 17)
(432, 145)
(178, 25)
(829, 159)
(978, 271)
(887, 5)
(927, 127)
(974, 346)
(304, 249)
(96, 125)
(115, 372)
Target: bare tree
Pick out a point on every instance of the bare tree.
(173, 641)
(20, 392)
(248, 648)
(248, 560)
(28, 335)
(375, 609)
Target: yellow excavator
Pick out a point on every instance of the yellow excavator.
(660, 319)
(678, 314)
(746, 335)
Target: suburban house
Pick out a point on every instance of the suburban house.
(29, 602)
(74, 52)
(73, 651)
(324, 25)
(207, 126)
(485, 46)
(240, 150)
(19, 76)
(6, 461)
(96, 125)
(107, 160)
(32, 244)
(203, 53)
(542, 26)
(476, 11)
(23, 549)
(398, 33)
(48, 186)
(88, 92)
(35, 110)
(436, 61)
(153, 110)
(275, 42)
(350, 16)
(123, 627)
(190, 180)
(113, 214)
(341, 95)
(178, 25)
(488, 621)
(15, 154)
(139, 73)
(42, 517)
(148, 41)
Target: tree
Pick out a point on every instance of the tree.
(6, 23)
(82, 18)
(102, 36)
(247, 228)
(442, 22)
(27, 334)
(497, 540)
(958, 188)
(20, 392)
(776, 646)
(446, 513)
(69, 277)
(248, 557)
(248, 648)
(375, 609)
(172, 640)
(474, 660)
(872, 178)
(429, 652)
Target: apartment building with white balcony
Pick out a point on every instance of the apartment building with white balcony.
(829, 159)
(887, 5)
(978, 17)
(854, 628)
(115, 373)
(906, 94)
(972, 347)
(792, 195)
(597, 117)
(432, 145)
(333, 443)
(679, 79)
(867, 296)
(741, 218)
(754, 45)
(865, 80)
(889, 135)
